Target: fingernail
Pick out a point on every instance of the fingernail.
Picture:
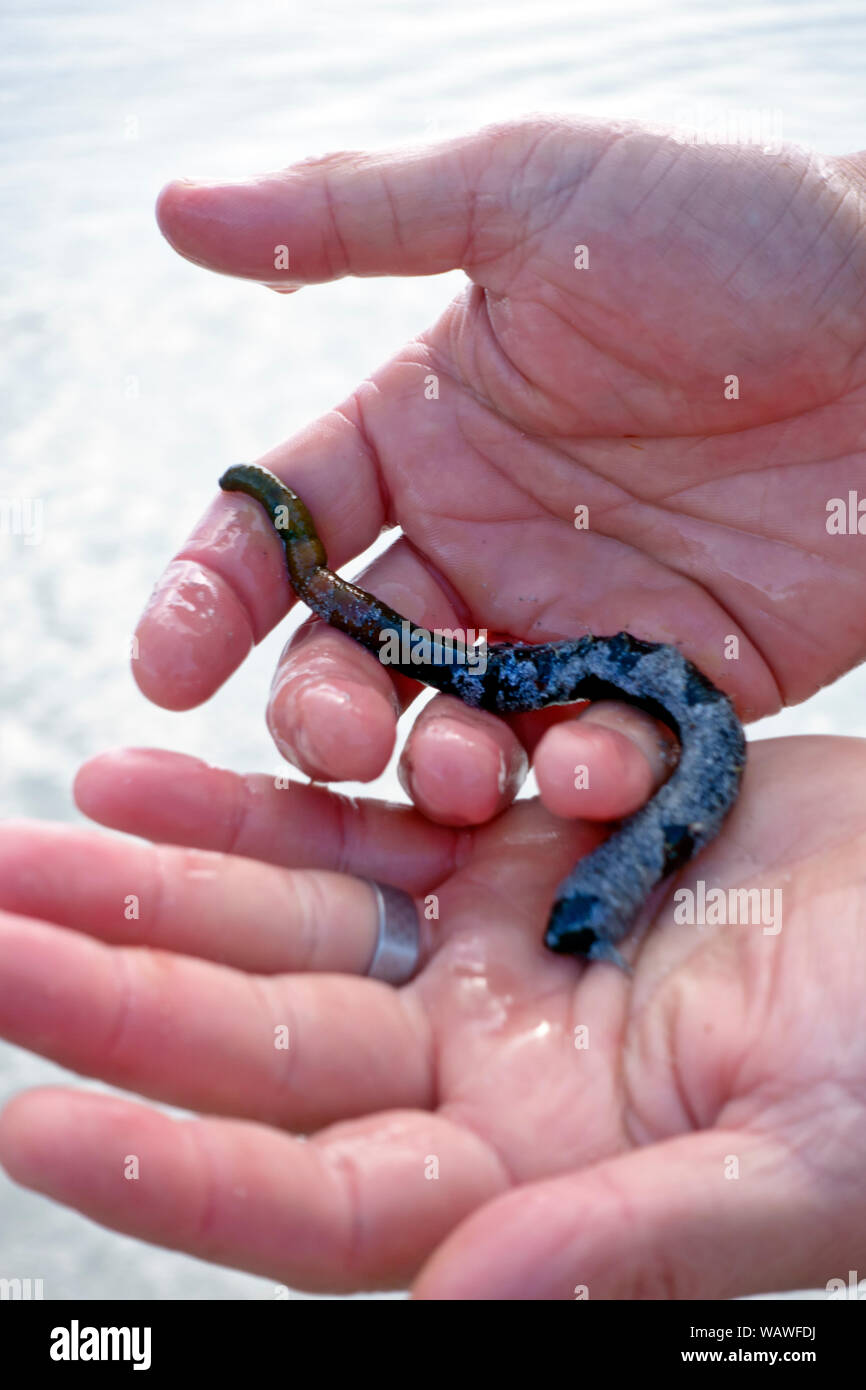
(211, 182)
(299, 732)
(405, 775)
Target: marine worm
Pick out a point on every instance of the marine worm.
(597, 903)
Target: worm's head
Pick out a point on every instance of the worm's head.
(577, 927)
(575, 924)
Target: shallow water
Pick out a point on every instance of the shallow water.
(132, 379)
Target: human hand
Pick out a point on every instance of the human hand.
(704, 1137)
(558, 388)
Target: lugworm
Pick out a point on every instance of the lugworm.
(597, 903)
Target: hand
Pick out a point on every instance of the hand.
(707, 1138)
(558, 388)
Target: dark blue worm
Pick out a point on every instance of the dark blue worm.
(600, 899)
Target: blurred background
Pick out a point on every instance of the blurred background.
(131, 379)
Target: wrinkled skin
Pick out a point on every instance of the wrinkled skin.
(611, 1166)
(558, 388)
(607, 1165)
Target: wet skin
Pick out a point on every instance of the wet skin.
(598, 902)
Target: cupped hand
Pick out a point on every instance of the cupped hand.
(695, 378)
(510, 1124)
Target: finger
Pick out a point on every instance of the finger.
(713, 1215)
(342, 214)
(605, 763)
(334, 706)
(353, 1208)
(218, 907)
(179, 800)
(299, 1051)
(227, 586)
(461, 766)
(392, 212)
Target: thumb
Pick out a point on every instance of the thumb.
(712, 1215)
(410, 211)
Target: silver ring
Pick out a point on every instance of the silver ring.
(398, 941)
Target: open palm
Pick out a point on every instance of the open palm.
(542, 389)
(531, 1124)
